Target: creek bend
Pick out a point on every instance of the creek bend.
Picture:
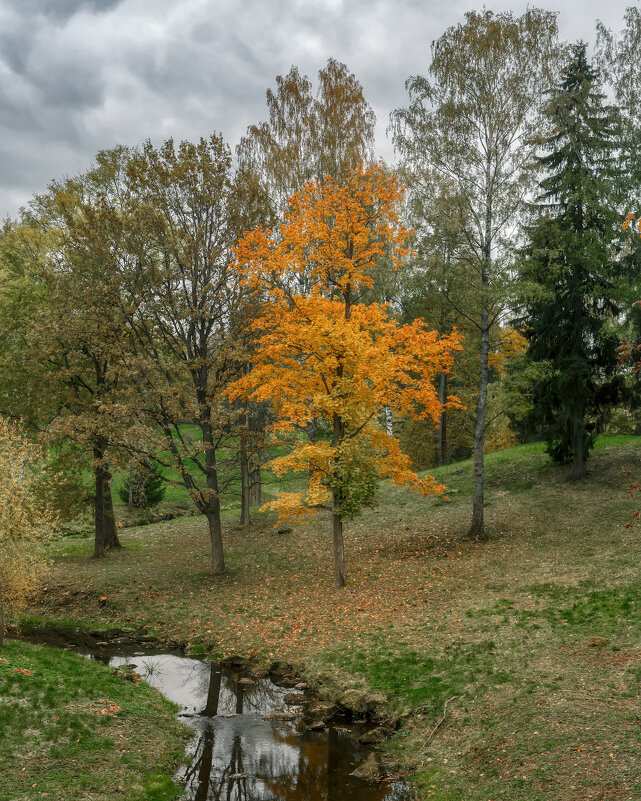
(251, 739)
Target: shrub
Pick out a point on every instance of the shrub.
(143, 487)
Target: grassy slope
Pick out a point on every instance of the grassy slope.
(502, 625)
(71, 728)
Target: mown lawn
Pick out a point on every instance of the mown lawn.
(502, 628)
(71, 728)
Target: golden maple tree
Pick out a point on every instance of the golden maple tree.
(323, 354)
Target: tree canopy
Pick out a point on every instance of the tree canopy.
(466, 135)
(321, 355)
(571, 266)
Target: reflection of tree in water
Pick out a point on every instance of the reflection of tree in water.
(203, 763)
(261, 696)
(199, 770)
(295, 768)
(230, 783)
(307, 780)
(324, 766)
(237, 777)
(213, 691)
(332, 765)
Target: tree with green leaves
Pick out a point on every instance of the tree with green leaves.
(183, 305)
(570, 267)
(429, 283)
(466, 132)
(617, 57)
(307, 136)
(58, 347)
(142, 488)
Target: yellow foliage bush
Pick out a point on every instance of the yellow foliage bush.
(25, 519)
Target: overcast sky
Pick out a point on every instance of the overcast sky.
(77, 76)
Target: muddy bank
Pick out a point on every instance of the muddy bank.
(331, 701)
(59, 636)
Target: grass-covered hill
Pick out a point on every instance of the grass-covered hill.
(534, 635)
(73, 728)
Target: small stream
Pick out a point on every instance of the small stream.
(251, 741)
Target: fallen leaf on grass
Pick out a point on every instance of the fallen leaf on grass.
(109, 708)
(24, 671)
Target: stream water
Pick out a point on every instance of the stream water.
(251, 742)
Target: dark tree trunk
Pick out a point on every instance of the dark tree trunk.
(111, 539)
(339, 550)
(245, 485)
(312, 430)
(440, 434)
(477, 528)
(256, 429)
(255, 488)
(578, 450)
(99, 507)
(312, 435)
(338, 435)
(212, 506)
(207, 500)
(216, 538)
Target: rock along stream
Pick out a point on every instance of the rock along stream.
(251, 739)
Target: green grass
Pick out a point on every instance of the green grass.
(418, 679)
(614, 611)
(72, 728)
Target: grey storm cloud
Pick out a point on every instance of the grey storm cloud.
(61, 10)
(77, 76)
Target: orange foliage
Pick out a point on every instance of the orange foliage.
(630, 221)
(511, 344)
(321, 354)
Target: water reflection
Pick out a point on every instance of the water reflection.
(240, 754)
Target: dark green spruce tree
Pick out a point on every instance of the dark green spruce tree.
(570, 268)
